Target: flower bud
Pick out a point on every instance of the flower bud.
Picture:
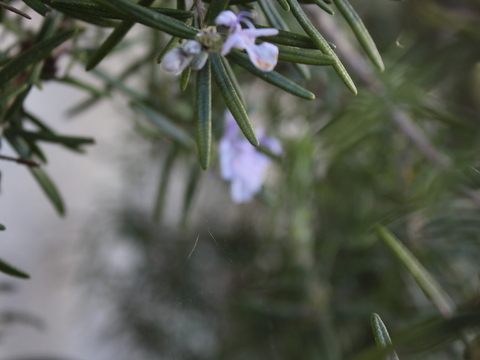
(192, 47)
(199, 60)
(175, 61)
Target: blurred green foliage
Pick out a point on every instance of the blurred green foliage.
(298, 273)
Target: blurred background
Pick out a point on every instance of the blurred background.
(154, 260)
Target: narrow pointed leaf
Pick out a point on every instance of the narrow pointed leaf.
(11, 270)
(150, 18)
(7, 95)
(94, 10)
(192, 184)
(185, 78)
(322, 5)
(49, 189)
(233, 78)
(284, 5)
(289, 38)
(34, 54)
(309, 57)
(321, 43)
(53, 138)
(162, 188)
(271, 14)
(231, 98)
(113, 39)
(425, 281)
(275, 20)
(170, 129)
(382, 338)
(98, 21)
(38, 6)
(361, 32)
(271, 77)
(203, 114)
(42, 178)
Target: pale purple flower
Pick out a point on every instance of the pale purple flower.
(243, 164)
(264, 56)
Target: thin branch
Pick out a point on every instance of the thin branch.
(15, 10)
(23, 161)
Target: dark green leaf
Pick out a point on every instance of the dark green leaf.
(112, 40)
(11, 270)
(2, 227)
(321, 43)
(150, 18)
(203, 114)
(185, 78)
(229, 94)
(38, 6)
(170, 129)
(34, 54)
(425, 281)
(361, 32)
(382, 338)
(65, 140)
(309, 57)
(271, 77)
(7, 95)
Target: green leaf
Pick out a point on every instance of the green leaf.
(190, 192)
(284, 5)
(72, 141)
(292, 39)
(424, 280)
(322, 5)
(11, 270)
(185, 78)
(321, 43)
(473, 175)
(271, 77)
(42, 178)
(98, 21)
(48, 188)
(162, 188)
(34, 54)
(82, 85)
(382, 338)
(7, 95)
(150, 18)
(361, 32)
(203, 114)
(91, 9)
(170, 129)
(309, 57)
(229, 94)
(2, 227)
(112, 40)
(38, 6)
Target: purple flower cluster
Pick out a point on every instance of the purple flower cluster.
(243, 164)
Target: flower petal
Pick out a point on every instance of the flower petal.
(235, 40)
(254, 33)
(227, 18)
(263, 56)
